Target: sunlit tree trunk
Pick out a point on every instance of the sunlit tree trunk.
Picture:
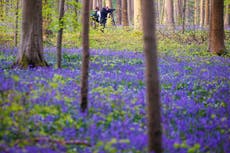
(85, 57)
(207, 14)
(216, 30)
(179, 11)
(130, 12)
(202, 11)
(137, 15)
(169, 16)
(108, 3)
(162, 13)
(60, 31)
(152, 79)
(124, 13)
(227, 16)
(95, 3)
(31, 47)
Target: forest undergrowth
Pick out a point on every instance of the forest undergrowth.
(40, 108)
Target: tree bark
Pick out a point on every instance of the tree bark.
(202, 13)
(152, 79)
(118, 11)
(124, 14)
(169, 18)
(216, 30)
(85, 58)
(16, 24)
(196, 12)
(109, 3)
(31, 48)
(207, 14)
(60, 32)
(137, 14)
(227, 16)
(184, 15)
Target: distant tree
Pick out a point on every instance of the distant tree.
(184, 15)
(137, 15)
(85, 57)
(130, 11)
(169, 16)
(216, 29)
(202, 11)
(152, 79)
(227, 15)
(125, 21)
(196, 12)
(16, 24)
(31, 47)
(60, 32)
(118, 11)
(207, 14)
(109, 3)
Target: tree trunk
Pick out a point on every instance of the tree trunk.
(184, 16)
(118, 11)
(130, 12)
(227, 16)
(109, 3)
(207, 14)
(152, 79)
(196, 12)
(124, 14)
(31, 47)
(85, 58)
(202, 13)
(16, 24)
(216, 30)
(169, 18)
(60, 31)
(137, 15)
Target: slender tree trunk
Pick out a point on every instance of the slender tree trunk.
(202, 11)
(60, 31)
(227, 16)
(124, 14)
(109, 3)
(162, 12)
(216, 30)
(130, 12)
(169, 18)
(31, 47)
(118, 11)
(86, 55)
(196, 12)
(179, 10)
(152, 79)
(207, 14)
(16, 24)
(184, 16)
(137, 15)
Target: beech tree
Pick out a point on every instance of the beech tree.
(152, 79)
(85, 57)
(125, 21)
(60, 31)
(216, 29)
(31, 47)
(169, 16)
(137, 14)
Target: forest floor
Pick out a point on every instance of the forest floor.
(40, 106)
